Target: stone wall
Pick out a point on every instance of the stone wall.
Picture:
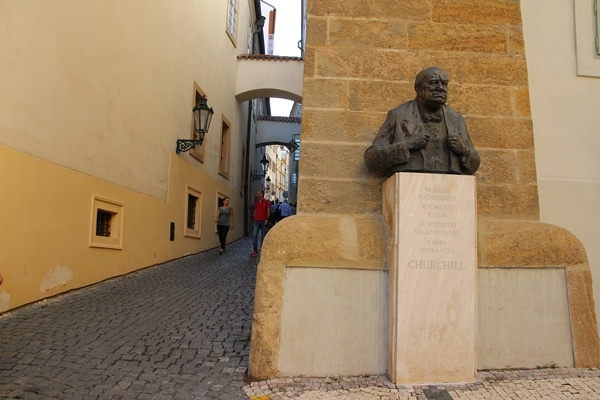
(361, 60)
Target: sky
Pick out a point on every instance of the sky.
(287, 34)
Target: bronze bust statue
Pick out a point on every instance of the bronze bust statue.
(424, 135)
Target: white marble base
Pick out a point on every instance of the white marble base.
(523, 318)
(333, 322)
(431, 220)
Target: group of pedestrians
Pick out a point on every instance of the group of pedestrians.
(280, 211)
(264, 216)
(260, 218)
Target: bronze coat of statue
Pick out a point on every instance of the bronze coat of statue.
(424, 135)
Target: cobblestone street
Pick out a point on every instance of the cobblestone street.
(547, 384)
(181, 331)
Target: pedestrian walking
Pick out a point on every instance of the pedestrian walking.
(262, 212)
(224, 219)
(275, 215)
(285, 210)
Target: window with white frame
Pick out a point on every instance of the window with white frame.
(107, 223)
(224, 160)
(193, 207)
(586, 35)
(232, 16)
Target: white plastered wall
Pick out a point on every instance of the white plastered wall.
(329, 326)
(566, 120)
(523, 319)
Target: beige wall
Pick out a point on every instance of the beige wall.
(101, 88)
(523, 318)
(345, 344)
(566, 122)
(93, 96)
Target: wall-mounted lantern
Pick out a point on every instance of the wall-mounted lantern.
(265, 164)
(202, 116)
(292, 145)
(265, 168)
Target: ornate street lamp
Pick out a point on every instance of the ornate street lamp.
(202, 117)
(292, 145)
(264, 163)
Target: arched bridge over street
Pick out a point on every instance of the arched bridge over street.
(260, 76)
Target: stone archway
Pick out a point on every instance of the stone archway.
(260, 76)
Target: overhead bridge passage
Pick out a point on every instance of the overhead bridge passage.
(260, 75)
(277, 130)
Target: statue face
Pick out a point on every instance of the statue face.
(433, 89)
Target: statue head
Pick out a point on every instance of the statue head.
(431, 85)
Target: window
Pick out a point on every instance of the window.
(596, 28)
(586, 35)
(193, 206)
(103, 219)
(107, 223)
(198, 151)
(232, 11)
(251, 34)
(191, 211)
(297, 151)
(224, 161)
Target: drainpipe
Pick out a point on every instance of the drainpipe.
(247, 194)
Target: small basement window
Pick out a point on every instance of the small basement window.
(193, 209)
(106, 223)
(103, 219)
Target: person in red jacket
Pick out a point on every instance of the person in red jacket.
(262, 212)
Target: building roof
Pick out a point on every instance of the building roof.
(268, 57)
(291, 120)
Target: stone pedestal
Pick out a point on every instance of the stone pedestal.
(431, 220)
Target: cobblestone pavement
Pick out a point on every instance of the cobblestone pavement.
(181, 330)
(551, 384)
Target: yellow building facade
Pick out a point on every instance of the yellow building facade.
(94, 96)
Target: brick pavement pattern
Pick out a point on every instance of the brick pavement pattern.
(181, 330)
(543, 383)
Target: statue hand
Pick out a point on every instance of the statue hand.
(456, 144)
(398, 153)
(417, 143)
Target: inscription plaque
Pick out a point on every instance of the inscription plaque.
(431, 222)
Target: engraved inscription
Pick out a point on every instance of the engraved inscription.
(438, 230)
